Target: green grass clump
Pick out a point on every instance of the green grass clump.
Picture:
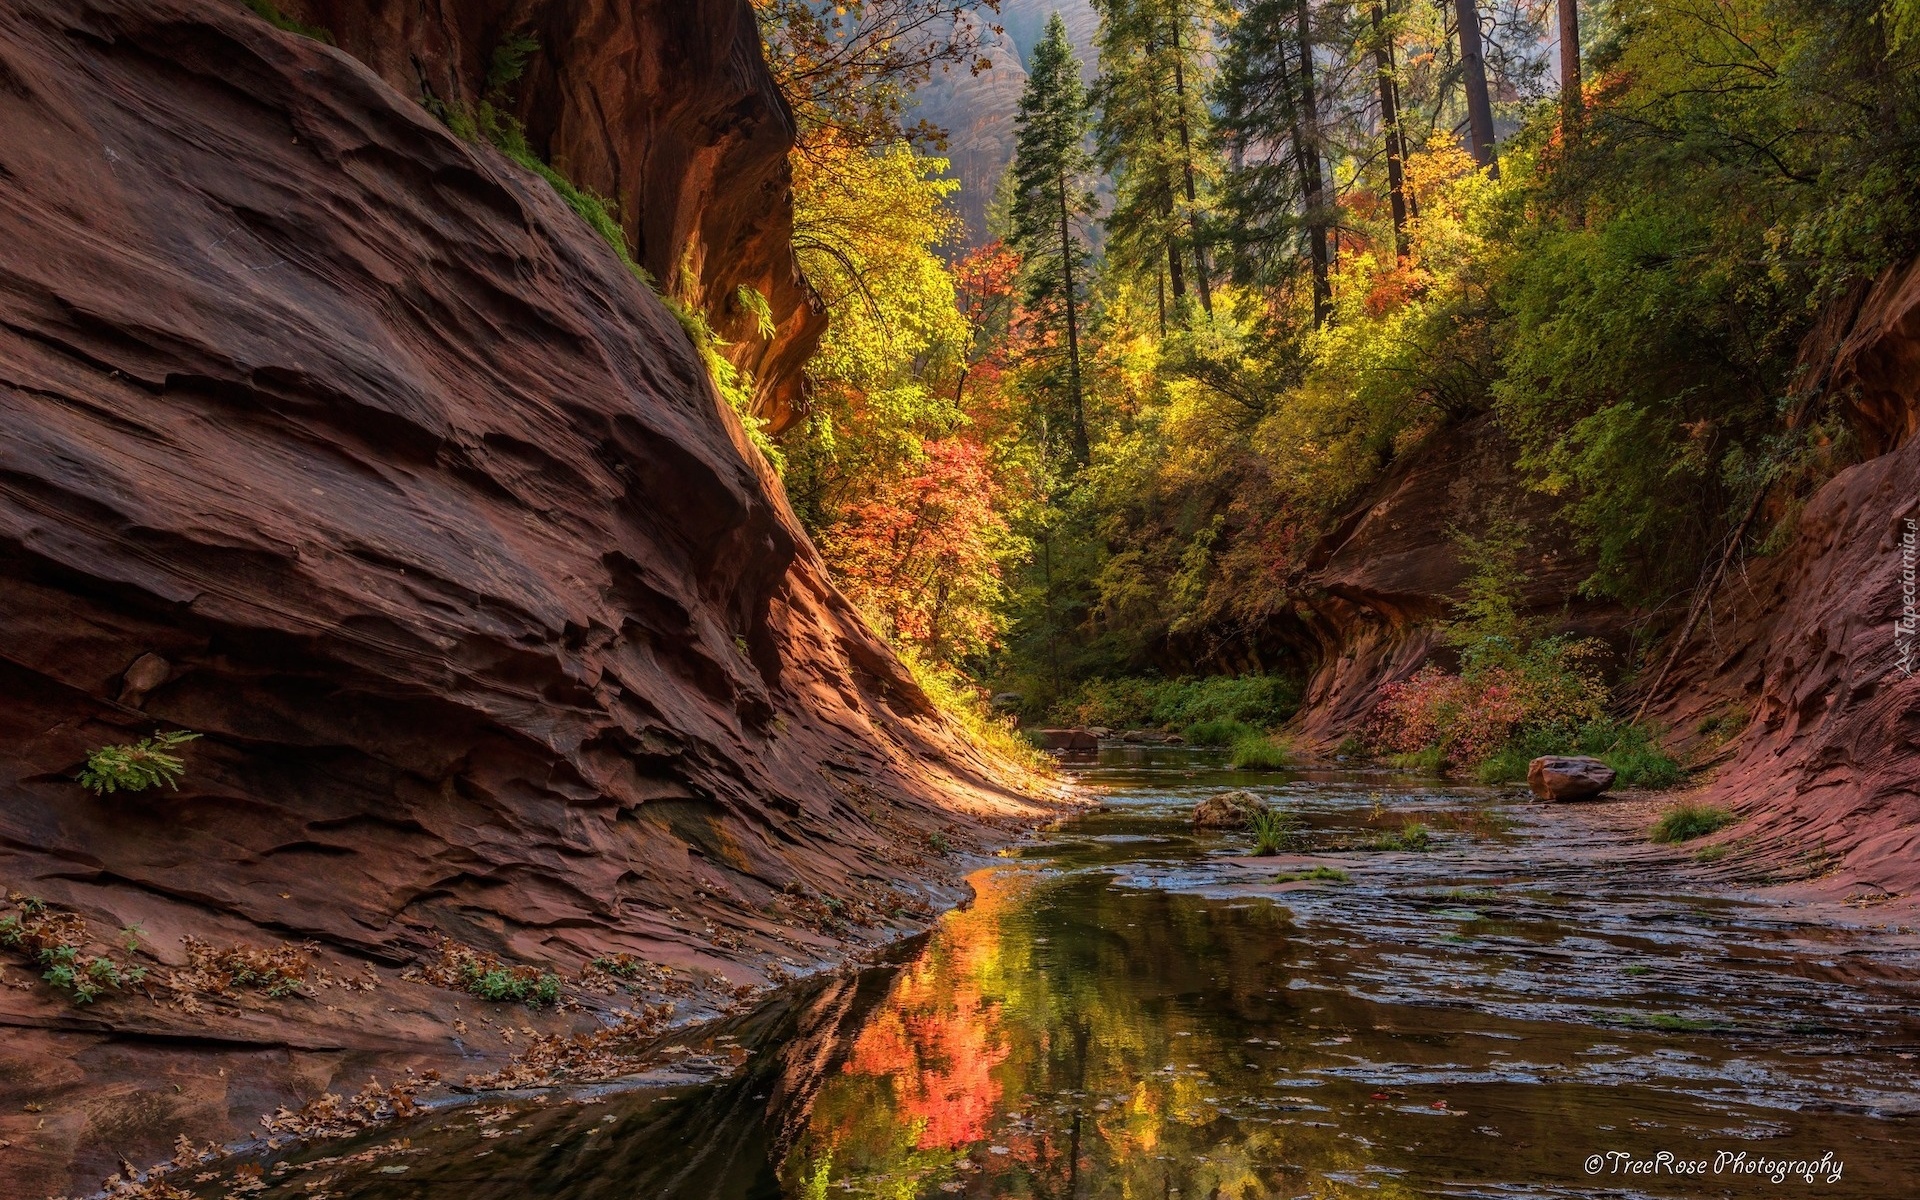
(138, 767)
(1414, 836)
(1217, 733)
(1431, 761)
(964, 704)
(1274, 831)
(1684, 822)
(1258, 752)
(1326, 874)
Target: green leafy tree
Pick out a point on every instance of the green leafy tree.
(1051, 199)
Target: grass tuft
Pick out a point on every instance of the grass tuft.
(1413, 836)
(1274, 831)
(1684, 822)
(1326, 874)
(1217, 732)
(1258, 752)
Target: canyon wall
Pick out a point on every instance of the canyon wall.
(1795, 697)
(1804, 653)
(347, 444)
(664, 107)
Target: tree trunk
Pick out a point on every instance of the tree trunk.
(1081, 450)
(1201, 283)
(1570, 102)
(1306, 143)
(1473, 64)
(1176, 273)
(1390, 131)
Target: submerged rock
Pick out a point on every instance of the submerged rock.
(1227, 810)
(1568, 777)
(1066, 739)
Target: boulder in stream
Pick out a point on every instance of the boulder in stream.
(1227, 810)
(1568, 777)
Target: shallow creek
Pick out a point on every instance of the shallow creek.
(1132, 1009)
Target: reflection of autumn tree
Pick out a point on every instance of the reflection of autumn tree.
(1091, 1033)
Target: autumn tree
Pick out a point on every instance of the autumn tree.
(1050, 200)
(850, 69)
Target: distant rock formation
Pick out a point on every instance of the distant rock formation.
(978, 111)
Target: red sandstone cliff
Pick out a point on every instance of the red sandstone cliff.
(1802, 649)
(663, 106)
(399, 488)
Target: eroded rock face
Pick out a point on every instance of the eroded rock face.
(345, 443)
(1800, 659)
(1381, 584)
(663, 106)
(1568, 777)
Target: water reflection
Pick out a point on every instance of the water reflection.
(1121, 1016)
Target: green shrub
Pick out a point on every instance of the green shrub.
(1274, 831)
(1258, 752)
(1413, 836)
(137, 767)
(506, 984)
(1218, 733)
(1633, 752)
(967, 707)
(1431, 761)
(1263, 700)
(1256, 701)
(1351, 746)
(1684, 822)
(52, 939)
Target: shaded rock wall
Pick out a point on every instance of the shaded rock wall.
(347, 444)
(664, 106)
(1802, 654)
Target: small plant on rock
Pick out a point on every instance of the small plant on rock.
(1413, 836)
(138, 767)
(464, 969)
(56, 941)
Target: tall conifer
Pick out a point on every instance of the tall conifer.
(1051, 198)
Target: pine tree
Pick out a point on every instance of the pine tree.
(1152, 137)
(1050, 200)
(1269, 121)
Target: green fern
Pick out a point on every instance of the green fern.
(138, 767)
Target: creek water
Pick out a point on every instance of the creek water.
(1532, 1006)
